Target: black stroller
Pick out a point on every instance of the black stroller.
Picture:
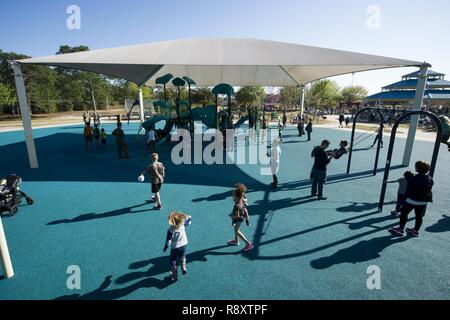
(10, 194)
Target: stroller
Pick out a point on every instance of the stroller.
(10, 194)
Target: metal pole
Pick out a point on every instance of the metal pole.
(302, 100)
(420, 90)
(6, 259)
(437, 143)
(355, 118)
(351, 144)
(26, 117)
(141, 105)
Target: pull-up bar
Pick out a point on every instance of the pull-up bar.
(355, 118)
(391, 148)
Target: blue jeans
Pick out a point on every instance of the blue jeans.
(175, 254)
(318, 178)
(400, 201)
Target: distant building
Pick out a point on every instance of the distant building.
(401, 94)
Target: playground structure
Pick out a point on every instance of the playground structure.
(352, 144)
(437, 143)
(185, 115)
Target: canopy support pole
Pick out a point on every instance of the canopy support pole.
(6, 259)
(302, 100)
(414, 121)
(141, 106)
(26, 117)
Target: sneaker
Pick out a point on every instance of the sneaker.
(248, 247)
(313, 194)
(396, 231)
(183, 269)
(412, 232)
(322, 198)
(233, 243)
(157, 207)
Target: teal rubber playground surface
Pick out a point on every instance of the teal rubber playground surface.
(91, 212)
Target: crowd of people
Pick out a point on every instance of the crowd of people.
(414, 192)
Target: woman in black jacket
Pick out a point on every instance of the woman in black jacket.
(418, 194)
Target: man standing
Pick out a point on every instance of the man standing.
(122, 148)
(319, 169)
(341, 120)
(308, 129)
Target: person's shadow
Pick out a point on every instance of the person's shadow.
(362, 251)
(94, 216)
(159, 265)
(144, 279)
(443, 225)
(369, 222)
(101, 293)
(361, 206)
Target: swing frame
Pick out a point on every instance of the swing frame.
(355, 118)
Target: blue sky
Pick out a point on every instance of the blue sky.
(410, 29)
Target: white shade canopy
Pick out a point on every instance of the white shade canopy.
(239, 62)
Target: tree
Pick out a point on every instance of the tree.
(323, 93)
(290, 96)
(202, 95)
(250, 95)
(7, 98)
(353, 94)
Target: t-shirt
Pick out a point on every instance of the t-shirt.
(119, 134)
(179, 237)
(275, 155)
(402, 185)
(320, 159)
(151, 136)
(103, 134)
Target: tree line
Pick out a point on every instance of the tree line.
(54, 89)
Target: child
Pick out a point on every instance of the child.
(96, 134)
(176, 238)
(347, 121)
(151, 140)
(158, 173)
(275, 154)
(401, 193)
(103, 137)
(379, 136)
(418, 194)
(239, 215)
(338, 153)
(88, 135)
(122, 148)
(280, 130)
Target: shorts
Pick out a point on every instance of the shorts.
(156, 187)
(237, 222)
